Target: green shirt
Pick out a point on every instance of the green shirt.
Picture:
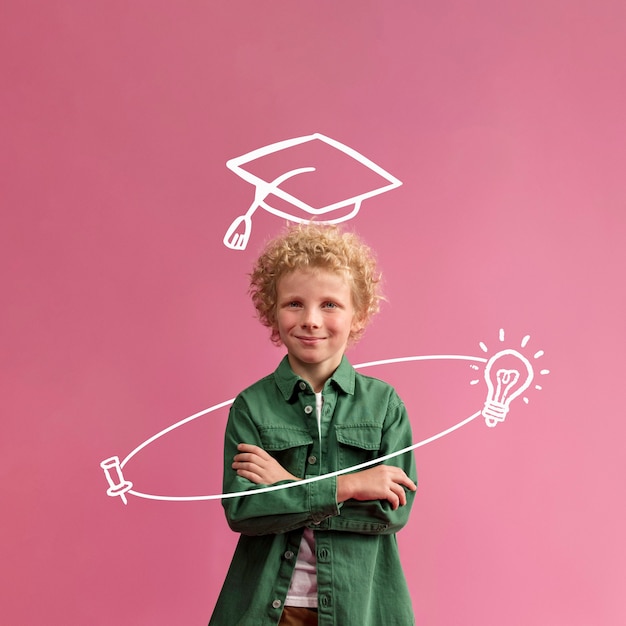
(359, 576)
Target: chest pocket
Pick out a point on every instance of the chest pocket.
(289, 446)
(358, 443)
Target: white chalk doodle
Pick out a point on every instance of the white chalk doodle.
(507, 374)
(117, 485)
(265, 169)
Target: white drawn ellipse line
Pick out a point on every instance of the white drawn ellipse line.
(358, 366)
(174, 426)
(304, 481)
(216, 407)
(430, 357)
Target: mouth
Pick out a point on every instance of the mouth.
(308, 340)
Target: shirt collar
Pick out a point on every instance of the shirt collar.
(288, 381)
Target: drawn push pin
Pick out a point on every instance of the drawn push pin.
(507, 374)
(117, 486)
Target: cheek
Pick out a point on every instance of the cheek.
(283, 320)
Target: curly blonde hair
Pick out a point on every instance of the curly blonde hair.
(316, 246)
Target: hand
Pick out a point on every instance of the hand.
(258, 466)
(382, 482)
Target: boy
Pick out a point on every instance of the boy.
(323, 552)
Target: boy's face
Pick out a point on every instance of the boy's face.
(314, 318)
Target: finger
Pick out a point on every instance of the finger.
(400, 494)
(393, 500)
(401, 478)
(402, 497)
(244, 465)
(243, 457)
(251, 476)
(252, 449)
(408, 483)
(251, 466)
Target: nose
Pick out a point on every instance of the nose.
(310, 318)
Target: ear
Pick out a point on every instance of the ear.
(357, 325)
(275, 336)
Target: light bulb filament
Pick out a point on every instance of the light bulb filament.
(504, 383)
(506, 379)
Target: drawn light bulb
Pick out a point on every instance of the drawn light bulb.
(507, 374)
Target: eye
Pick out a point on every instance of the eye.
(330, 305)
(294, 304)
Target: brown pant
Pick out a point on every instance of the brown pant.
(297, 616)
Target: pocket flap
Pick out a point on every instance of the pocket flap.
(364, 436)
(283, 438)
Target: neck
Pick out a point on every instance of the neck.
(316, 374)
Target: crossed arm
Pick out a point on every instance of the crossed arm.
(382, 482)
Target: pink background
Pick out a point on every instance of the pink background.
(123, 312)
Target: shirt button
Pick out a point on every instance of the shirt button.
(323, 554)
(288, 555)
(302, 385)
(312, 460)
(308, 409)
(276, 604)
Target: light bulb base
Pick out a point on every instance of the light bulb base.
(494, 413)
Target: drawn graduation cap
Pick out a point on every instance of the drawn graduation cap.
(304, 178)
